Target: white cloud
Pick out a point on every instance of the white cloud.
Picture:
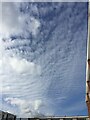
(10, 20)
(6, 89)
(14, 101)
(24, 66)
(22, 105)
(27, 108)
(0, 63)
(14, 23)
(34, 25)
(37, 104)
(26, 83)
(17, 64)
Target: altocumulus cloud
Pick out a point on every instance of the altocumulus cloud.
(42, 45)
(16, 22)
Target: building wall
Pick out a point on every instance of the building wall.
(53, 118)
(88, 66)
(7, 116)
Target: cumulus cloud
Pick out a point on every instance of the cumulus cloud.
(27, 108)
(23, 66)
(37, 104)
(20, 66)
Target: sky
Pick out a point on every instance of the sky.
(43, 58)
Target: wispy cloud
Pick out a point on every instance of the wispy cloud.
(42, 57)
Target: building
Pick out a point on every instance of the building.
(57, 118)
(7, 116)
(88, 66)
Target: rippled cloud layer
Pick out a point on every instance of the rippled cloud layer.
(42, 58)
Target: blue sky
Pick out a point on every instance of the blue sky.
(43, 58)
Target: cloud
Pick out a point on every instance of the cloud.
(26, 108)
(20, 66)
(6, 89)
(37, 104)
(24, 66)
(15, 23)
(0, 63)
(42, 57)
